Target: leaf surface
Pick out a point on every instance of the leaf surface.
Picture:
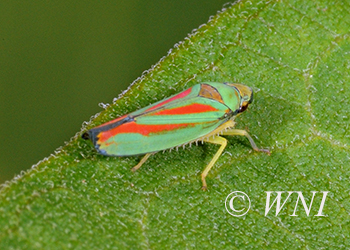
(296, 57)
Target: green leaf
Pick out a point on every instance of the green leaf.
(296, 57)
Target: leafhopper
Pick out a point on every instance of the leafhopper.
(203, 113)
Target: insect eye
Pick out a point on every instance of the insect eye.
(243, 107)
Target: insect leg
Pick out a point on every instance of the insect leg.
(245, 133)
(141, 162)
(215, 140)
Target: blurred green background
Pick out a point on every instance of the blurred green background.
(59, 59)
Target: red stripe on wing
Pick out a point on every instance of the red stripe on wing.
(189, 109)
(178, 96)
(113, 121)
(132, 127)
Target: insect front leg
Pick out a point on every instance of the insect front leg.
(245, 133)
(141, 162)
(215, 140)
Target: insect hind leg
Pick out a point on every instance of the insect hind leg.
(143, 160)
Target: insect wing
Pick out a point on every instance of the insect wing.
(171, 122)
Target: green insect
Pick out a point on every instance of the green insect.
(203, 112)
